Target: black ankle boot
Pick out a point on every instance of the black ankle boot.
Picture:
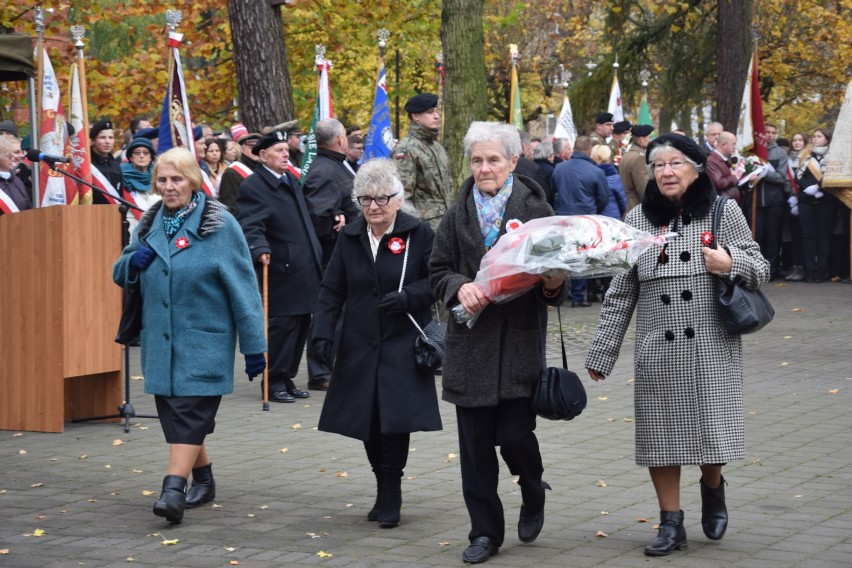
(671, 535)
(714, 513)
(172, 499)
(390, 500)
(373, 515)
(203, 488)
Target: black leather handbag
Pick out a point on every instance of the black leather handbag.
(131, 316)
(429, 345)
(559, 394)
(742, 310)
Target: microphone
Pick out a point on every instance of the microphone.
(34, 155)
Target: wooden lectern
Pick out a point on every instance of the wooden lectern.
(59, 310)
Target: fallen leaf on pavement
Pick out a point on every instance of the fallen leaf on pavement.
(601, 534)
(84, 456)
(450, 457)
(148, 492)
(444, 543)
(264, 507)
(642, 520)
(170, 542)
(37, 485)
(601, 483)
(22, 452)
(834, 391)
(250, 515)
(627, 419)
(116, 493)
(17, 434)
(283, 451)
(37, 532)
(323, 554)
(323, 469)
(130, 559)
(794, 310)
(297, 426)
(117, 442)
(785, 364)
(230, 548)
(4, 551)
(604, 512)
(108, 466)
(138, 471)
(215, 506)
(603, 398)
(136, 377)
(40, 517)
(341, 474)
(234, 562)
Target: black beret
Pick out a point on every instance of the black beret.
(105, 124)
(197, 132)
(149, 133)
(421, 103)
(621, 127)
(139, 142)
(604, 117)
(267, 140)
(642, 130)
(687, 146)
(9, 126)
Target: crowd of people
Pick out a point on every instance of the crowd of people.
(357, 256)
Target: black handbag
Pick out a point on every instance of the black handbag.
(429, 345)
(131, 316)
(742, 310)
(559, 394)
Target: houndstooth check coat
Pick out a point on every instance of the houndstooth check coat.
(688, 387)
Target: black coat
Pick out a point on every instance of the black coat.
(376, 349)
(275, 220)
(111, 169)
(529, 168)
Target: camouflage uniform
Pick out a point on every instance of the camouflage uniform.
(424, 168)
(598, 139)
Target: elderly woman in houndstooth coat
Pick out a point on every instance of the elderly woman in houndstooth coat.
(688, 389)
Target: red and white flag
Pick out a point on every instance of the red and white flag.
(615, 108)
(54, 188)
(7, 206)
(751, 134)
(81, 161)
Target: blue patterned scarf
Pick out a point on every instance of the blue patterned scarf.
(172, 222)
(490, 210)
(136, 180)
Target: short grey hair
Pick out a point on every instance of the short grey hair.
(379, 177)
(327, 130)
(667, 147)
(543, 151)
(525, 137)
(504, 134)
(560, 144)
(9, 142)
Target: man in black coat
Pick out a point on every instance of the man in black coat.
(277, 224)
(102, 137)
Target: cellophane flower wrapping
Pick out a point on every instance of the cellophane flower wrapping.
(571, 246)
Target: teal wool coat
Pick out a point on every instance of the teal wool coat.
(199, 291)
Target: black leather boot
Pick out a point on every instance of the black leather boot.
(671, 535)
(714, 513)
(373, 515)
(203, 488)
(390, 500)
(172, 500)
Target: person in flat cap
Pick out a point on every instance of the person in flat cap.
(276, 221)
(422, 162)
(633, 171)
(102, 138)
(238, 171)
(686, 351)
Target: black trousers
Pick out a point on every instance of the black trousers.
(817, 221)
(510, 425)
(287, 336)
(768, 233)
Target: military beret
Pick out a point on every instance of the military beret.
(621, 127)
(149, 133)
(197, 132)
(269, 139)
(105, 124)
(421, 103)
(687, 146)
(248, 137)
(289, 128)
(604, 117)
(9, 126)
(140, 142)
(642, 130)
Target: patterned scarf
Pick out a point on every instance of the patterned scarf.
(490, 210)
(136, 180)
(172, 222)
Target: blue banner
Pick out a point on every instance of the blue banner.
(379, 140)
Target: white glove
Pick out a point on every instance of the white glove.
(813, 190)
(793, 201)
(794, 211)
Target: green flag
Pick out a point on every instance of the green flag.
(311, 143)
(645, 112)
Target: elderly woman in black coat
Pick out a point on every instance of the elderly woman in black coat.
(379, 270)
(490, 370)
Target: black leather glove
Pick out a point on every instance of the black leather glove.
(255, 364)
(142, 258)
(324, 350)
(394, 302)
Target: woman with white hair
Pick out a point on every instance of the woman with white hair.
(379, 271)
(491, 369)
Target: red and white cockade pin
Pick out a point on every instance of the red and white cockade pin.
(513, 225)
(396, 245)
(182, 243)
(706, 238)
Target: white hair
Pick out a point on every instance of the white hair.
(504, 134)
(379, 177)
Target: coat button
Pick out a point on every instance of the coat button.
(689, 332)
(165, 304)
(686, 218)
(666, 299)
(686, 295)
(685, 256)
(166, 336)
(166, 271)
(669, 335)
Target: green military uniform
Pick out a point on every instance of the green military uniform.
(598, 139)
(634, 175)
(424, 169)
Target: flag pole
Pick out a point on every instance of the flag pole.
(396, 96)
(755, 36)
(78, 33)
(35, 113)
(439, 68)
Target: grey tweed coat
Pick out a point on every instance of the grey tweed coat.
(688, 387)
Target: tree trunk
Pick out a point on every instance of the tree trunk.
(733, 50)
(465, 94)
(263, 78)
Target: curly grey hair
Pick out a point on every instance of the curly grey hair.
(504, 134)
(379, 177)
(667, 147)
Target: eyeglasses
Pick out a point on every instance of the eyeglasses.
(140, 152)
(365, 200)
(674, 164)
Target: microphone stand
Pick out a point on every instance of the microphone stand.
(125, 410)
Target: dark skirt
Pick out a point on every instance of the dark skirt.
(187, 419)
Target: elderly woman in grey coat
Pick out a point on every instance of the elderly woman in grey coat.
(688, 389)
(490, 370)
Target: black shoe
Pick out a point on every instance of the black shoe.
(295, 391)
(172, 499)
(373, 515)
(203, 488)
(390, 499)
(281, 396)
(529, 526)
(580, 304)
(320, 385)
(671, 535)
(714, 513)
(480, 550)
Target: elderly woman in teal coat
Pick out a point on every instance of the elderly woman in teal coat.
(192, 263)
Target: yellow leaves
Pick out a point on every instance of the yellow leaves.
(341, 474)
(22, 452)
(234, 562)
(4, 551)
(450, 457)
(834, 391)
(324, 554)
(601, 483)
(37, 485)
(599, 398)
(117, 442)
(82, 457)
(148, 492)
(797, 310)
(788, 337)
(282, 450)
(36, 533)
(785, 364)
(169, 542)
(297, 426)
(601, 534)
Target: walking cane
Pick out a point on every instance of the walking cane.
(266, 334)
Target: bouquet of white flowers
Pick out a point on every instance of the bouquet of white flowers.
(575, 246)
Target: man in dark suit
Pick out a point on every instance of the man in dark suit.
(277, 224)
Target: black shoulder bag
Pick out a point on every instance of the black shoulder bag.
(131, 315)
(559, 394)
(742, 310)
(429, 345)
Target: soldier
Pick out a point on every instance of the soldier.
(604, 127)
(422, 163)
(102, 138)
(238, 171)
(633, 171)
(618, 143)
